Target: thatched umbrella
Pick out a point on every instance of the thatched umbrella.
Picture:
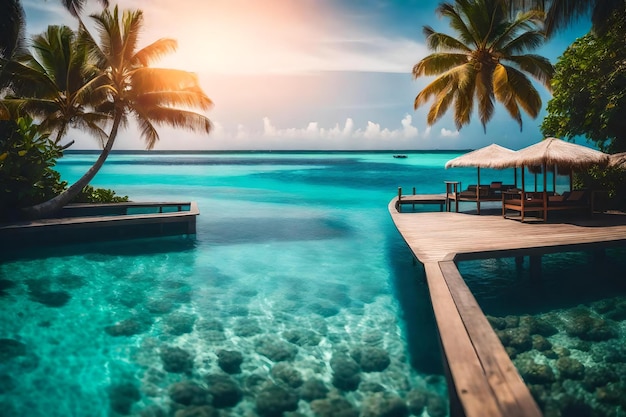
(618, 160)
(553, 151)
(490, 156)
(558, 153)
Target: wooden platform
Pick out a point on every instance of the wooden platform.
(88, 222)
(420, 199)
(482, 379)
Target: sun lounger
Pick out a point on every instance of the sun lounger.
(577, 200)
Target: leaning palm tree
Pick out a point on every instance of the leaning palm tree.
(53, 82)
(561, 13)
(485, 63)
(131, 87)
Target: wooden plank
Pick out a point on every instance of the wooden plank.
(45, 230)
(469, 382)
(423, 199)
(511, 392)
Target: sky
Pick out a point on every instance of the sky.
(305, 74)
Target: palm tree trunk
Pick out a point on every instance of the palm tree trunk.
(52, 206)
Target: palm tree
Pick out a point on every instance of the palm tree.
(54, 83)
(561, 13)
(132, 88)
(484, 63)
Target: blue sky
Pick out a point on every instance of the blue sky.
(306, 74)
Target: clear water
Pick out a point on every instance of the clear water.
(292, 248)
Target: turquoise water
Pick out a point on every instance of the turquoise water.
(297, 294)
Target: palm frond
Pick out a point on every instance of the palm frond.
(527, 41)
(161, 79)
(440, 106)
(561, 12)
(16, 107)
(540, 68)
(177, 118)
(93, 123)
(437, 41)
(76, 6)
(96, 54)
(151, 53)
(435, 64)
(28, 81)
(441, 83)
(464, 97)
(53, 50)
(132, 20)
(187, 99)
(525, 94)
(457, 23)
(484, 94)
(505, 94)
(147, 130)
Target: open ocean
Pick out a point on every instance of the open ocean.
(296, 297)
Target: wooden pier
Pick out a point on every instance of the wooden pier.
(420, 199)
(89, 222)
(482, 380)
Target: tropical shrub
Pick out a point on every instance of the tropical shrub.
(27, 177)
(26, 161)
(90, 194)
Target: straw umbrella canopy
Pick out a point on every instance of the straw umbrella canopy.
(557, 153)
(492, 156)
(560, 153)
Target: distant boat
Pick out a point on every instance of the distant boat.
(399, 156)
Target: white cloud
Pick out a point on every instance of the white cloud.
(449, 133)
(314, 136)
(267, 136)
(314, 131)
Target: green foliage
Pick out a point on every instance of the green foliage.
(610, 180)
(27, 177)
(590, 89)
(26, 161)
(90, 194)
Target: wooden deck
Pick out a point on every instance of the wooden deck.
(87, 222)
(420, 199)
(483, 381)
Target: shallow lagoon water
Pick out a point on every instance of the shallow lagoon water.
(296, 266)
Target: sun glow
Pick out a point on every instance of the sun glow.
(238, 36)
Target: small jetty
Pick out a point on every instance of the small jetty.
(483, 382)
(89, 222)
(421, 199)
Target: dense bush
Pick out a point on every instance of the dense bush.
(27, 177)
(98, 195)
(26, 161)
(610, 180)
